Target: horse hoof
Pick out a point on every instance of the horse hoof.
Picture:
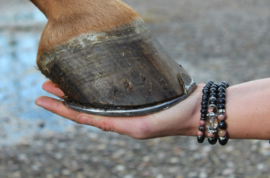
(123, 71)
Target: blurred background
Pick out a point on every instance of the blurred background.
(219, 40)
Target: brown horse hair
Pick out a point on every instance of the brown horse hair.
(71, 18)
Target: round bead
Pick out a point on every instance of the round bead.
(221, 106)
(221, 89)
(223, 140)
(213, 102)
(221, 101)
(222, 133)
(201, 128)
(204, 102)
(212, 105)
(208, 85)
(200, 139)
(204, 106)
(213, 90)
(222, 125)
(213, 95)
(222, 85)
(203, 115)
(212, 141)
(203, 118)
(221, 95)
(215, 85)
(200, 133)
(204, 111)
(202, 123)
(205, 97)
(221, 117)
(222, 111)
(205, 91)
(226, 83)
(212, 98)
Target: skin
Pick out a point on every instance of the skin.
(247, 109)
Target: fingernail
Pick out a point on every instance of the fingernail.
(38, 101)
(85, 120)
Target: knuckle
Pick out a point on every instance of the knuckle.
(57, 107)
(105, 125)
(83, 119)
(78, 119)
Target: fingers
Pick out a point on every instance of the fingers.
(52, 88)
(57, 107)
(136, 127)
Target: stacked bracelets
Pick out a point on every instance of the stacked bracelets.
(213, 114)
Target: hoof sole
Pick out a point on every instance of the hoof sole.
(118, 111)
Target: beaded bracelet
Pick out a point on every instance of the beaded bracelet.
(222, 133)
(214, 97)
(204, 104)
(212, 121)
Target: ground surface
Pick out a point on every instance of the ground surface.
(218, 40)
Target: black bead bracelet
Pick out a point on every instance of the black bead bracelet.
(204, 104)
(222, 133)
(213, 114)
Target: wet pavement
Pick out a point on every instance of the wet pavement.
(219, 40)
(20, 84)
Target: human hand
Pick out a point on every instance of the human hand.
(181, 119)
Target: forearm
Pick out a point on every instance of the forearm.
(247, 109)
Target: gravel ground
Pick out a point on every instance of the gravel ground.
(219, 40)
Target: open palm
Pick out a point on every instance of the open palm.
(178, 120)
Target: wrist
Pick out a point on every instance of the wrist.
(191, 128)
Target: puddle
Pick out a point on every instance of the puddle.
(22, 16)
(20, 84)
